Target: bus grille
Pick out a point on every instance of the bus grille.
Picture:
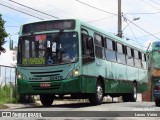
(53, 75)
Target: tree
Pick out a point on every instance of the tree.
(3, 34)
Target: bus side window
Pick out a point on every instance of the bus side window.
(87, 49)
(121, 58)
(140, 58)
(137, 60)
(130, 56)
(110, 50)
(99, 50)
(144, 61)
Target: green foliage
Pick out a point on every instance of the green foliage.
(3, 34)
(5, 94)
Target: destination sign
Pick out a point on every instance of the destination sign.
(49, 25)
(33, 61)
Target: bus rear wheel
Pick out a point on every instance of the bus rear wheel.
(46, 100)
(97, 98)
(131, 97)
(134, 93)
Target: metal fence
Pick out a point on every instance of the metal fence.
(7, 83)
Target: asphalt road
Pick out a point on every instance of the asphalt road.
(81, 111)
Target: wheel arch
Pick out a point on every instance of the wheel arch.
(135, 81)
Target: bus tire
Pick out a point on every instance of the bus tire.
(47, 99)
(133, 95)
(97, 98)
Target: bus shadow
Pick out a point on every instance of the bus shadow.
(66, 105)
(76, 105)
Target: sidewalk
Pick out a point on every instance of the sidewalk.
(18, 105)
(37, 103)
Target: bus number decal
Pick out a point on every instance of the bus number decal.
(56, 77)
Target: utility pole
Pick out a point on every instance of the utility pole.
(119, 19)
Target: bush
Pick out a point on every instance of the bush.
(7, 94)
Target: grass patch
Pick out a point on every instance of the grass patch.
(7, 94)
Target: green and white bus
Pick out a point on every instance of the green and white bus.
(70, 57)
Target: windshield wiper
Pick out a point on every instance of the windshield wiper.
(58, 35)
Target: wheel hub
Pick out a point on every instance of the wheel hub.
(99, 92)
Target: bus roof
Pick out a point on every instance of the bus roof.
(98, 30)
(110, 35)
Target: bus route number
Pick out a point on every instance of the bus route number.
(56, 77)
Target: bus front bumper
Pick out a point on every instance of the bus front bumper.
(66, 86)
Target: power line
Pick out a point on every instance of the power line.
(155, 2)
(143, 29)
(12, 19)
(101, 19)
(151, 13)
(150, 5)
(133, 33)
(53, 8)
(81, 3)
(136, 42)
(135, 36)
(117, 15)
(95, 8)
(21, 11)
(33, 9)
(148, 35)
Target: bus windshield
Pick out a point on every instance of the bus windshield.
(48, 49)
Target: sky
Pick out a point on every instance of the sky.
(101, 13)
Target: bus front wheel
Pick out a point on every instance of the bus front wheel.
(97, 98)
(47, 100)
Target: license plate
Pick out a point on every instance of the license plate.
(45, 84)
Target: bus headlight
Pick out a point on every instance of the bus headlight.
(20, 76)
(76, 72)
(73, 73)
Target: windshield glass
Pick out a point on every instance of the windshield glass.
(48, 49)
